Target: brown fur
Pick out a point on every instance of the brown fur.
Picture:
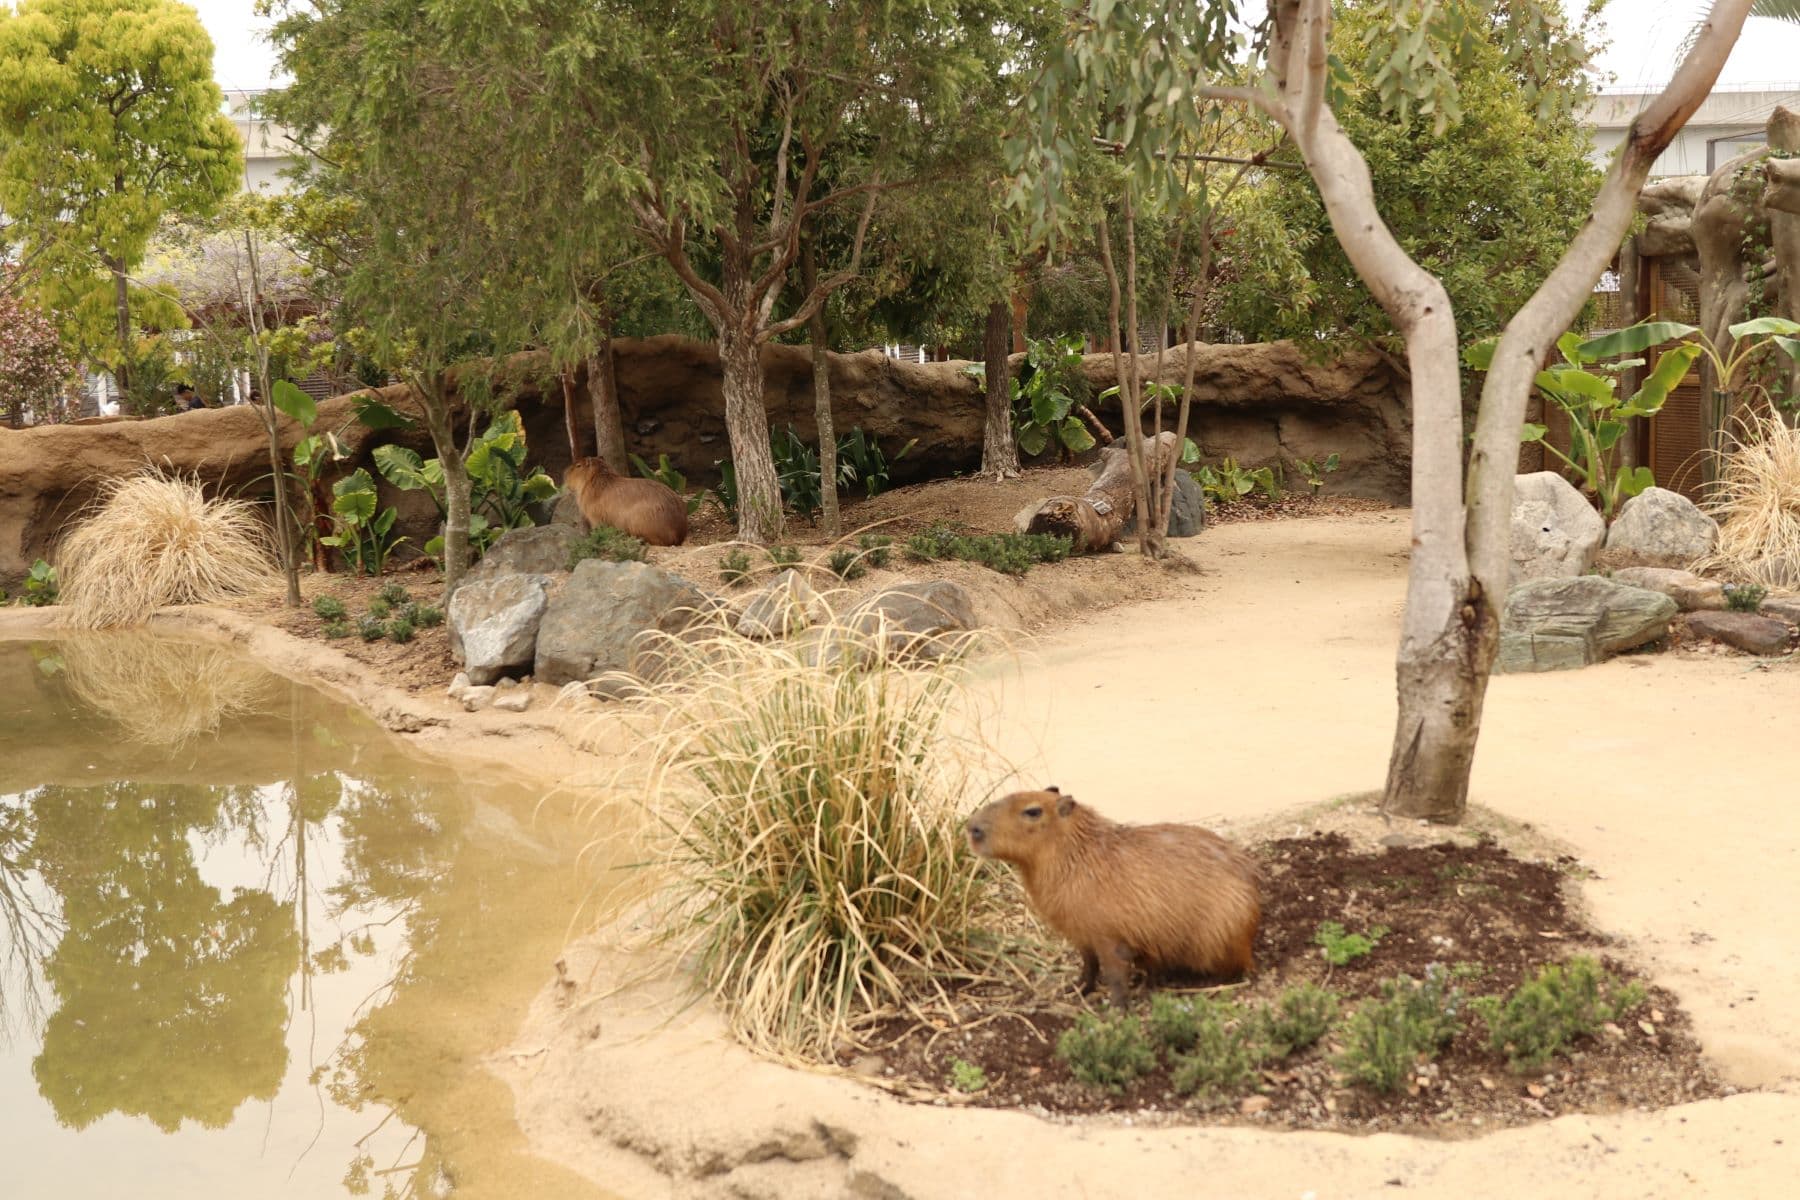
(1160, 897)
(644, 508)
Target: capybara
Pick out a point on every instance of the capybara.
(644, 508)
(1161, 897)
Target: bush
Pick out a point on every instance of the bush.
(156, 539)
(424, 616)
(380, 608)
(40, 586)
(734, 568)
(877, 550)
(1226, 1050)
(1745, 597)
(1340, 947)
(1107, 1051)
(846, 564)
(1757, 503)
(966, 1076)
(336, 629)
(395, 594)
(1298, 1018)
(328, 608)
(371, 628)
(1008, 553)
(400, 630)
(605, 542)
(1385, 1039)
(1548, 1012)
(784, 557)
(1174, 1023)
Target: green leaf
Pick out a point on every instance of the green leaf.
(1634, 338)
(1779, 326)
(1075, 435)
(1569, 344)
(381, 524)
(400, 467)
(539, 487)
(483, 464)
(354, 497)
(295, 404)
(373, 414)
(1636, 480)
(1331, 461)
(1190, 453)
(307, 449)
(1043, 409)
(434, 548)
(1670, 370)
(1608, 433)
(1569, 384)
(1033, 439)
(1532, 433)
(1480, 355)
(1788, 346)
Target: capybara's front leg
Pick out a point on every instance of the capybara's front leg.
(1115, 968)
(1090, 971)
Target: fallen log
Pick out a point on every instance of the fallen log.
(1093, 522)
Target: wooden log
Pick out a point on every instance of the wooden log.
(1092, 522)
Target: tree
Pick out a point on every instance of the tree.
(1458, 577)
(109, 118)
(34, 369)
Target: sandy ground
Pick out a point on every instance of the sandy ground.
(1263, 688)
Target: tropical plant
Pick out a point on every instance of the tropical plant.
(40, 585)
(797, 472)
(666, 473)
(501, 490)
(1045, 392)
(363, 532)
(860, 459)
(1314, 470)
(1228, 482)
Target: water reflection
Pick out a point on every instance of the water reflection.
(212, 925)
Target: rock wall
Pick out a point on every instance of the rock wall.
(1258, 403)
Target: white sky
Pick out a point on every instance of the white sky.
(1644, 36)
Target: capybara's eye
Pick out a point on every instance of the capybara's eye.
(1034, 812)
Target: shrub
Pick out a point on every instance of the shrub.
(784, 557)
(156, 539)
(734, 568)
(1225, 1052)
(40, 586)
(424, 616)
(328, 608)
(1008, 553)
(1549, 1011)
(846, 564)
(335, 629)
(380, 608)
(395, 594)
(371, 628)
(966, 1076)
(1174, 1024)
(1340, 947)
(1298, 1018)
(1745, 597)
(877, 549)
(1757, 503)
(400, 630)
(1107, 1051)
(806, 828)
(605, 542)
(1385, 1039)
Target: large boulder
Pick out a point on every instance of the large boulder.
(1559, 624)
(1689, 591)
(915, 619)
(596, 624)
(785, 606)
(1187, 511)
(1555, 532)
(538, 550)
(1746, 631)
(494, 624)
(1660, 528)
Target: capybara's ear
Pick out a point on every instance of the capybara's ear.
(1065, 806)
(1054, 790)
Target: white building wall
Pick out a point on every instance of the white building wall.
(1731, 121)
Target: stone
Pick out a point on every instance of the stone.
(1783, 608)
(459, 683)
(1561, 624)
(494, 624)
(785, 606)
(1660, 528)
(1690, 592)
(1746, 631)
(1555, 531)
(594, 625)
(1187, 511)
(476, 698)
(512, 700)
(538, 550)
(915, 618)
(567, 513)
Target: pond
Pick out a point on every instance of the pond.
(249, 946)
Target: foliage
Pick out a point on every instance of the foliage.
(666, 473)
(1558, 1005)
(1745, 597)
(379, 607)
(1045, 390)
(40, 585)
(335, 629)
(1008, 553)
(784, 557)
(797, 473)
(965, 1076)
(725, 495)
(371, 628)
(1340, 947)
(1314, 470)
(734, 567)
(328, 608)
(1228, 482)
(156, 539)
(400, 630)
(847, 563)
(1107, 1051)
(1299, 1017)
(609, 545)
(425, 616)
(395, 594)
(1385, 1039)
(502, 491)
(363, 535)
(860, 459)
(1757, 502)
(876, 548)
(1224, 1052)
(34, 367)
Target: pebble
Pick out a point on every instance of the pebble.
(475, 698)
(512, 700)
(458, 685)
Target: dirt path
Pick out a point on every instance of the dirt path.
(1266, 687)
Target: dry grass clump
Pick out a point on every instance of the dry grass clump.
(155, 539)
(806, 828)
(161, 692)
(1757, 504)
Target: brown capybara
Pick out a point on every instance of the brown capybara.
(1161, 897)
(644, 508)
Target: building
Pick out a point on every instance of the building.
(1729, 121)
(268, 151)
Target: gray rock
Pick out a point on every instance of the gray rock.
(1785, 608)
(567, 511)
(476, 698)
(494, 624)
(1690, 592)
(1559, 624)
(595, 623)
(1555, 531)
(513, 700)
(785, 606)
(1187, 511)
(539, 550)
(459, 683)
(1660, 528)
(1746, 631)
(915, 618)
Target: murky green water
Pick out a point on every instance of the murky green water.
(248, 947)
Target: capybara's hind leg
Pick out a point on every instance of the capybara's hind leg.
(1090, 971)
(1115, 968)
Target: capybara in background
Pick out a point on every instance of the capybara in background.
(1162, 897)
(644, 508)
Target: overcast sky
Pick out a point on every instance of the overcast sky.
(1644, 35)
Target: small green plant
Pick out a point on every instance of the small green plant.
(41, 588)
(877, 549)
(1745, 597)
(784, 557)
(379, 608)
(1386, 1039)
(336, 629)
(424, 616)
(666, 474)
(797, 471)
(501, 490)
(860, 460)
(328, 608)
(1045, 391)
(1229, 482)
(395, 594)
(1008, 553)
(371, 628)
(1552, 1009)
(1224, 1052)
(846, 563)
(734, 568)
(726, 494)
(400, 630)
(966, 1076)
(1298, 1018)
(1315, 470)
(1341, 948)
(1107, 1051)
(362, 534)
(605, 542)
(1174, 1024)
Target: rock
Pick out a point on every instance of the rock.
(567, 513)
(1660, 528)
(476, 698)
(512, 700)
(1559, 624)
(593, 625)
(1689, 591)
(494, 624)
(1555, 531)
(784, 607)
(459, 683)
(1782, 608)
(915, 618)
(539, 550)
(1187, 512)
(1746, 631)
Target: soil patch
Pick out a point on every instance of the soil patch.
(1477, 910)
(420, 665)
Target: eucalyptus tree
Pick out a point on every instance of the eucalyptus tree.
(1156, 62)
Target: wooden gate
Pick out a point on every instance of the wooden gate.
(1674, 441)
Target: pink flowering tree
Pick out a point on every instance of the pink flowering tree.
(34, 369)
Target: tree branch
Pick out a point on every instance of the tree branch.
(830, 283)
